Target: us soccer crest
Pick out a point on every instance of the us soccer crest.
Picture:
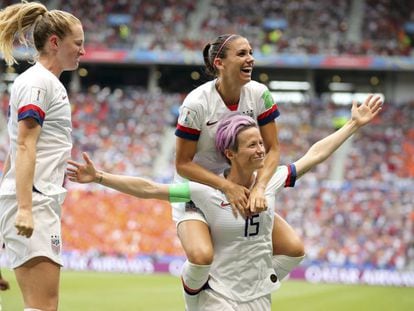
(55, 243)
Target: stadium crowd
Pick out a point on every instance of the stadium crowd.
(334, 27)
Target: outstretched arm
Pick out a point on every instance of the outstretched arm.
(136, 186)
(321, 150)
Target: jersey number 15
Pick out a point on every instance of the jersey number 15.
(251, 227)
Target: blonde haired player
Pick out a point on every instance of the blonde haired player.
(39, 127)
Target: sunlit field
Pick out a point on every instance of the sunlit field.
(88, 291)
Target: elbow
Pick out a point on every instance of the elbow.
(181, 166)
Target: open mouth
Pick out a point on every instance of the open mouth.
(247, 70)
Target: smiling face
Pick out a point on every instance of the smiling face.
(250, 151)
(238, 62)
(71, 48)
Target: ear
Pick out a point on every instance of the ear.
(230, 154)
(54, 42)
(218, 63)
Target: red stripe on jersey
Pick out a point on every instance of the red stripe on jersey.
(188, 130)
(289, 175)
(267, 112)
(32, 107)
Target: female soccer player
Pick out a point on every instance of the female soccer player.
(230, 60)
(39, 126)
(241, 276)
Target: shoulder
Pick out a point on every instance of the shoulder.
(256, 87)
(199, 189)
(36, 76)
(284, 176)
(199, 97)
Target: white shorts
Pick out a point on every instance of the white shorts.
(210, 300)
(186, 211)
(46, 240)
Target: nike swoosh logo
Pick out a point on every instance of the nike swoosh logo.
(224, 204)
(64, 97)
(211, 123)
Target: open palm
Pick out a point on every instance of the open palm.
(81, 173)
(364, 113)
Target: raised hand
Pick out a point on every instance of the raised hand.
(364, 113)
(82, 173)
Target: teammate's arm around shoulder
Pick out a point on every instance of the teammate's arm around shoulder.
(321, 150)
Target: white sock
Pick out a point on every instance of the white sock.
(31, 309)
(194, 277)
(284, 264)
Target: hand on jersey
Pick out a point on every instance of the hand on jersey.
(238, 198)
(257, 201)
(81, 173)
(24, 222)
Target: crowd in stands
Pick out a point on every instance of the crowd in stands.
(366, 220)
(294, 27)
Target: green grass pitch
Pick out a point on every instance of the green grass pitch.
(89, 291)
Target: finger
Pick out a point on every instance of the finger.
(73, 163)
(354, 104)
(368, 99)
(71, 170)
(373, 102)
(86, 158)
(235, 212)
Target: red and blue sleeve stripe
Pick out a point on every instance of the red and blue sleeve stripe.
(187, 133)
(31, 111)
(291, 176)
(268, 116)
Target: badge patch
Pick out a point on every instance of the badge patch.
(268, 99)
(187, 117)
(37, 95)
(55, 243)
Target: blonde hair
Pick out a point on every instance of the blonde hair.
(32, 24)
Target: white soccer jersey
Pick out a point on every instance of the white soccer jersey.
(38, 94)
(204, 107)
(242, 266)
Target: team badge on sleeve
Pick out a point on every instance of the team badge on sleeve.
(187, 117)
(268, 99)
(37, 95)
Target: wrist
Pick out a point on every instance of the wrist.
(98, 177)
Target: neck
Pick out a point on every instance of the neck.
(50, 64)
(241, 176)
(229, 92)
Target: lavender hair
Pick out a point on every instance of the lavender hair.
(228, 129)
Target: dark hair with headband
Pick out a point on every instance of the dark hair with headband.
(216, 49)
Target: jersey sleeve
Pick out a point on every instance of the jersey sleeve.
(32, 101)
(285, 176)
(190, 119)
(267, 107)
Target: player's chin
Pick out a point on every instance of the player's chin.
(73, 66)
(258, 163)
